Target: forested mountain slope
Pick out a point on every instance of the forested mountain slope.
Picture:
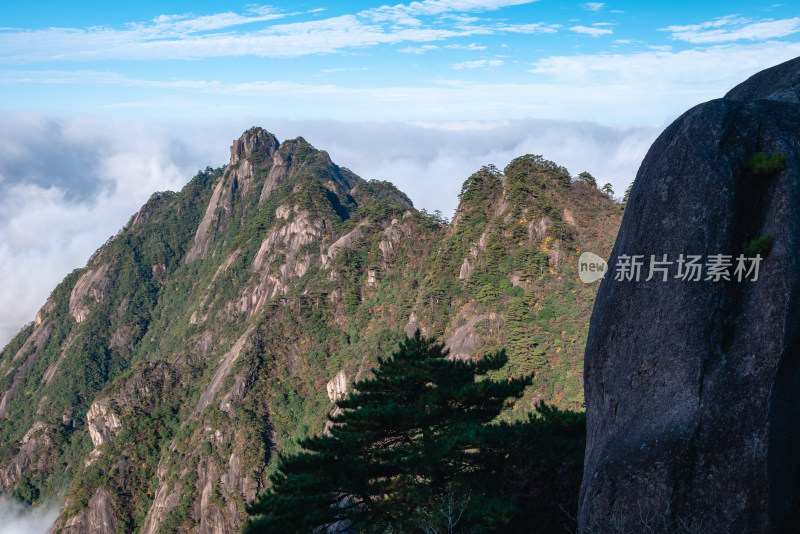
(156, 384)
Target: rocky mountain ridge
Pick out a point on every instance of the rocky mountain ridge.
(156, 384)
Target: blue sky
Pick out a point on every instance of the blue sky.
(101, 104)
(611, 62)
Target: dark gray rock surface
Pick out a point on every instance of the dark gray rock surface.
(781, 83)
(693, 388)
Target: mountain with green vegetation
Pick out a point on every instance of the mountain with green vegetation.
(157, 385)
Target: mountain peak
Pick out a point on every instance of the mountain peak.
(251, 141)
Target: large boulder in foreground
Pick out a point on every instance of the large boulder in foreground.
(693, 387)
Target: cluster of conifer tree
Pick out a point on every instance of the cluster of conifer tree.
(418, 447)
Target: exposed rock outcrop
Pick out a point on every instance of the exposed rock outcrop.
(780, 83)
(279, 171)
(44, 311)
(235, 394)
(692, 388)
(223, 371)
(412, 325)
(250, 142)
(556, 255)
(145, 386)
(92, 285)
(40, 336)
(31, 455)
(348, 240)
(461, 343)
(254, 150)
(465, 271)
(337, 390)
(538, 229)
(284, 243)
(102, 422)
(98, 518)
(219, 488)
(392, 236)
(337, 387)
(212, 519)
(50, 373)
(166, 498)
(31, 350)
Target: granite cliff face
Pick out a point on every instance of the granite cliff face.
(693, 387)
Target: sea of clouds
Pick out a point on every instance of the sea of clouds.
(69, 183)
(16, 518)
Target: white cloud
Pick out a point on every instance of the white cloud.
(526, 28)
(478, 64)
(733, 28)
(593, 6)
(181, 25)
(594, 32)
(188, 36)
(16, 518)
(418, 49)
(343, 69)
(471, 46)
(688, 71)
(279, 40)
(612, 88)
(438, 7)
(69, 184)
(262, 10)
(49, 228)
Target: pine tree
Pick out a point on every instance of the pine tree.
(406, 439)
(495, 251)
(525, 355)
(538, 466)
(488, 293)
(627, 194)
(588, 178)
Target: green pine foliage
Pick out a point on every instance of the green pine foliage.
(627, 194)
(758, 246)
(537, 466)
(525, 354)
(764, 164)
(416, 442)
(407, 436)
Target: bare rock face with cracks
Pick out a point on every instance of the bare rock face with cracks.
(692, 387)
